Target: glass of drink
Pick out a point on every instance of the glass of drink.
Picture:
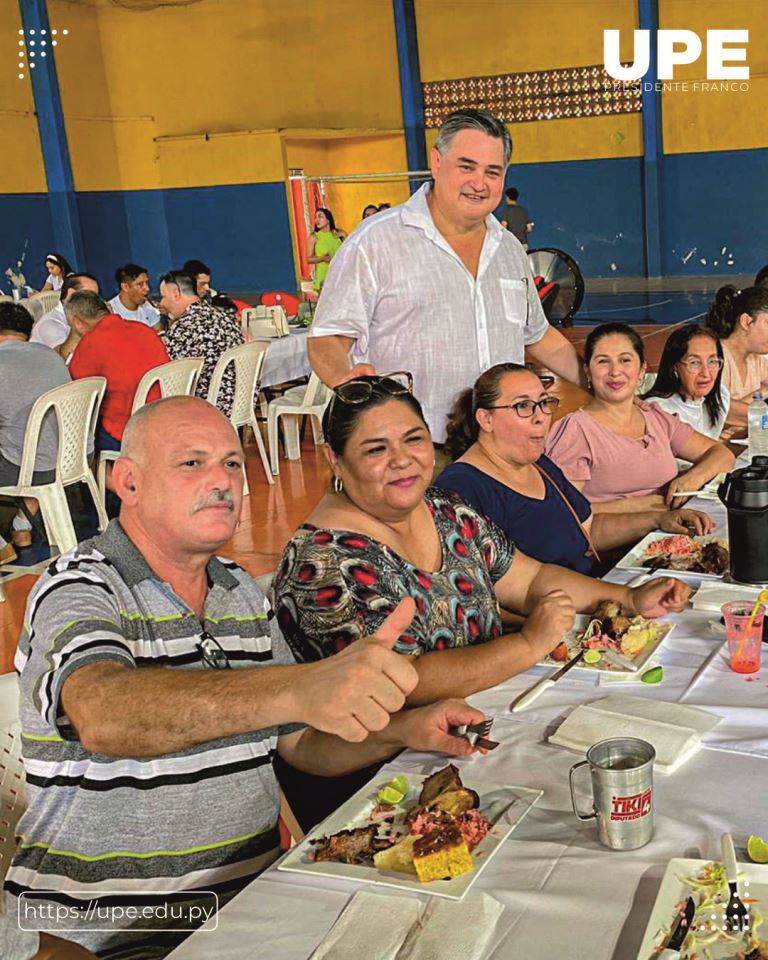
(744, 634)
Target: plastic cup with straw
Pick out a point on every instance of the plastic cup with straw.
(761, 599)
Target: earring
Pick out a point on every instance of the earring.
(338, 486)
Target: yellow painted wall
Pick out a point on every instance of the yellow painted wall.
(487, 37)
(21, 166)
(366, 155)
(700, 120)
(340, 156)
(217, 66)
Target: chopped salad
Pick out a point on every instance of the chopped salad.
(707, 938)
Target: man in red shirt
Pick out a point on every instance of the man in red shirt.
(120, 350)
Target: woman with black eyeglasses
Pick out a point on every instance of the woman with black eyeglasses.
(690, 379)
(496, 435)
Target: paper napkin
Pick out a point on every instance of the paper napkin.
(387, 927)
(674, 731)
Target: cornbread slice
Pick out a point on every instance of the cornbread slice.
(440, 854)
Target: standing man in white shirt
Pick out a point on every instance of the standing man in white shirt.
(52, 328)
(131, 301)
(436, 285)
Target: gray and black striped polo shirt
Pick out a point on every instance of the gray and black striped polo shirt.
(204, 818)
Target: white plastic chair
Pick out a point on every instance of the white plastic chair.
(75, 405)
(310, 400)
(264, 321)
(248, 360)
(12, 779)
(175, 379)
(42, 303)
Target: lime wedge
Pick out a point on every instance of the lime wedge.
(654, 675)
(400, 783)
(593, 656)
(757, 850)
(389, 796)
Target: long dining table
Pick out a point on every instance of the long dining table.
(564, 894)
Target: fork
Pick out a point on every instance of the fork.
(475, 733)
(736, 912)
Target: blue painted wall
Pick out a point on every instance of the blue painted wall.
(241, 231)
(710, 201)
(25, 216)
(591, 209)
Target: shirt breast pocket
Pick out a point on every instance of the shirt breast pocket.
(514, 300)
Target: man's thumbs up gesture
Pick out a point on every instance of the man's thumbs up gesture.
(354, 692)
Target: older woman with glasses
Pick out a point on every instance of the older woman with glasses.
(620, 451)
(496, 435)
(689, 381)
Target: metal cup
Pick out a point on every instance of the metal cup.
(622, 788)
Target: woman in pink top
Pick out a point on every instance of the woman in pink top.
(740, 318)
(618, 446)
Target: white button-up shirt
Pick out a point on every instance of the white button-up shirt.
(52, 328)
(403, 294)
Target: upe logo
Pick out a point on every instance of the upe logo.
(631, 808)
(678, 47)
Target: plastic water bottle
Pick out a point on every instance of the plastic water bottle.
(757, 422)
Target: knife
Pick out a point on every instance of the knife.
(544, 684)
(619, 660)
(679, 933)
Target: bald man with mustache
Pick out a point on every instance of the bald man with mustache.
(156, 688)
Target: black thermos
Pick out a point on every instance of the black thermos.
(745, 495)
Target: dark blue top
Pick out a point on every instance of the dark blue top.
(543, 529)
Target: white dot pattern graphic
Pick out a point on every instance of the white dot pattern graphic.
(27, 48)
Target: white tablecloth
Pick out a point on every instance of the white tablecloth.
(566, 895)
(286, 358)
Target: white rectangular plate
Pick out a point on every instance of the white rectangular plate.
(673, 890)
(634, 559)
(504, 806)
(572, 641)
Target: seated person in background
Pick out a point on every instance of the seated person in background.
(156, 689)
(120, 350)
(689, 381)
(52, 328)
(201, 273)
(496, 435)
(740, 319)
(619, 450)
(132, 299)
(761, 277)
(58, 269)
(202, 276)
(27, 371)
(369, 210)
(198, 329)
